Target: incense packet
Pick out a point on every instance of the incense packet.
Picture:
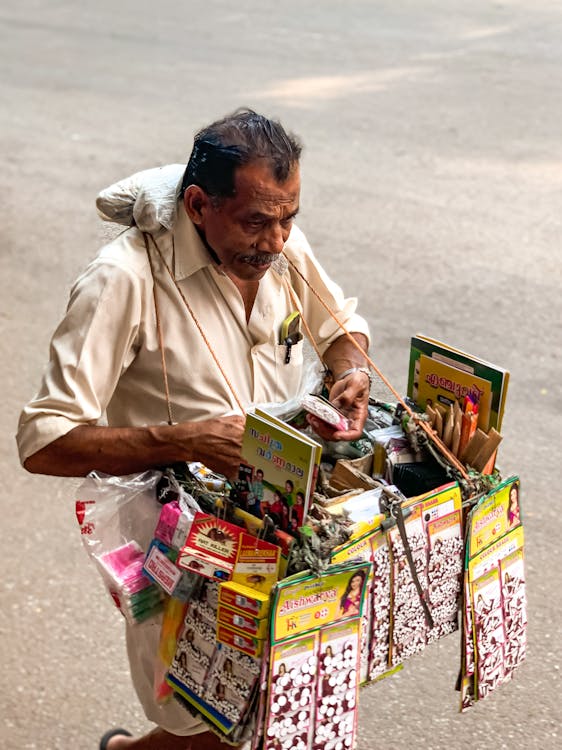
(159, 566)
(238, 640)
(245, 599)
(257, 564)
(245, 623)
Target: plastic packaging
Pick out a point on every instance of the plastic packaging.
(172, 621)
(311, 382)
(117, 518)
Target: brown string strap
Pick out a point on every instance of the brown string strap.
(159, 331)
(194, 318)
(426, 428)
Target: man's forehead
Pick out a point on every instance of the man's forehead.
(256, 181)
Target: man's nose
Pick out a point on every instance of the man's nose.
(272, 239)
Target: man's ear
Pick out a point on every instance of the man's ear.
(196, 201)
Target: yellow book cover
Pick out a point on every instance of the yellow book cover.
(284, 465)
(437, 350)
(445, 384)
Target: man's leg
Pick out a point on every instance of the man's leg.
(158, 739)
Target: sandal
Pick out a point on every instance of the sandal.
(112, 733)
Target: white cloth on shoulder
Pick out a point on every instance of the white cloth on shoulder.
(146, 199)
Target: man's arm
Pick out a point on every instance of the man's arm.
(342, 355)
(126, 450)
(351, 393)
(92, 346)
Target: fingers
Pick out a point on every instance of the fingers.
(220, 444)
(345, 394)
(228, 466)
(329, 433)
(350, 396)
(321, 428)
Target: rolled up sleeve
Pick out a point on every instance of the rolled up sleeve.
(90, 349)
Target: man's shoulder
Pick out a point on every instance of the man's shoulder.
(120, 264)
(127, 252)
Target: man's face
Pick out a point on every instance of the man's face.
(247, 232)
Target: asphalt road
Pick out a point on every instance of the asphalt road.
(432, 178)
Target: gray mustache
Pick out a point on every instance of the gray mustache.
(263, 258)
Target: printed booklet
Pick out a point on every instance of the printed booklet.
(313, 677)
(495, 611)
(444, 375)
(280, 471)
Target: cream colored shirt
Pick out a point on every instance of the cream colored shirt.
(105, 358)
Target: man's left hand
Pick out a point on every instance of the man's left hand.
(350, 396)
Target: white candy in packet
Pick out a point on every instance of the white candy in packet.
(324, 410)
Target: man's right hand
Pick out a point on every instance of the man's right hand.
(217, 443)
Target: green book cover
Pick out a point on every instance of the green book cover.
(457, 360)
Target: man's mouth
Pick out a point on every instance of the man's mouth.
(264, 259)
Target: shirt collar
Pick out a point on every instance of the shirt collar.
(191, 255)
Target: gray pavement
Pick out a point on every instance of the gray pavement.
(432, 183)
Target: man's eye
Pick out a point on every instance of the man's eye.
(256, 224)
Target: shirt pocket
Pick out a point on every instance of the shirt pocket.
(288, 375)
(295, 356)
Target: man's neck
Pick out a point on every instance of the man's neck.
(210, 250)
(248, 289)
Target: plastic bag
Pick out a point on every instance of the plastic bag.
(114, 510)
(311, 382)
(146, 199)
(117, 518)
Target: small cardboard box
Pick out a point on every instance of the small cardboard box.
(243, 622)
(237, 640)
(245, 599)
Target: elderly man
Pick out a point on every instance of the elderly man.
(169, 336)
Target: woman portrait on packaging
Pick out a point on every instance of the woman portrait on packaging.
(327, 657)
(279, 510)
(228, 666)
(513, 516)
(281, 671)
(351, 599)
(220, 692)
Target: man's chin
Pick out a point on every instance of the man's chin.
(252, 271)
